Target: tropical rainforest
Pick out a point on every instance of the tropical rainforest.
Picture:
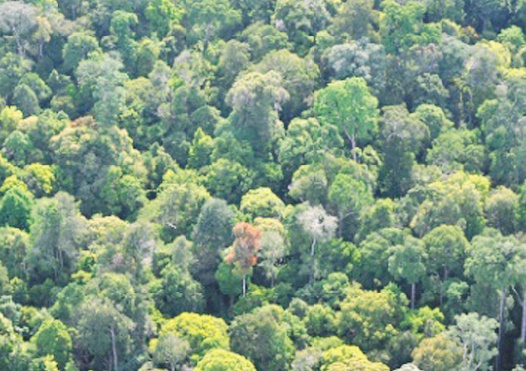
(270, 185)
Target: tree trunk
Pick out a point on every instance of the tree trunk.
(353, 146)
(19, 46)
(498, 361)
(352, 139)
(207, 38)
(523, 324)
(114, 350)
(313, 267)
(244, 285)
(413, 295)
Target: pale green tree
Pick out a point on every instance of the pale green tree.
(350, 106)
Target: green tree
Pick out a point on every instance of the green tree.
(446, 248)
(373, 270)
(104, 333)
(377, 216)
(501, 209)
(230, 283)
(263, 203)
(26, 100)
(177, 292)
(351, 107)
(437, 353)
(101, 77)
(14, 245)
(349, 357)
(171, 351)
(349, 196)
(234, 59)
(476, 335)
(202, 332)
(123, 194)
(434, 118)
(53, 338)
(15, 208)
(19, 20)
(407, 262)
(262, 38)
(78, 47)
(496, 261)
(403, 136)
(262, 337)
(305, 142)
(201, 149)
(227, 180)
(10, 117)
(163, 15)
(457, 150)
(177, 208)
(254, 98)
(309, 184)
(122, 28)
(455, 201)
(207, 19)
(55, 237)
(301, 21)
(17, 148)
(521, 210)
(35, 83)
(403, 26)
(212, 234)
(223, 360)
(299, 79)
(12, 68)
(355, 19)
(367, 317)
(320, 320)
(84, 152)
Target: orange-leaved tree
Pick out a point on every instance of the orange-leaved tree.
(243, 251)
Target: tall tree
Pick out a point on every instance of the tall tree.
(350, 106)
(101, 77)
(349, 196)
(55, 237)
(263, 338)
(255, 99)
(19, 20)
(403, 136)
(104, 334)
(53, 338)
(446, 247)
(498, 262)
(407, 262)
(320, 227)
(476, 337)
(212, 234)
(274, 247)
(208, 18)
(244, 249)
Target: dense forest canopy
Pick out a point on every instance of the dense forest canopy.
(270, 185)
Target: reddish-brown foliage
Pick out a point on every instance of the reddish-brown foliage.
(246, 244)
